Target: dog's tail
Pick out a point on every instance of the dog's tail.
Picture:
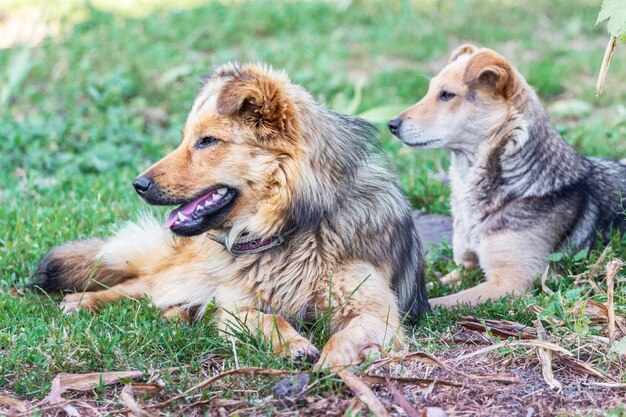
(76, 266)
(101, 263)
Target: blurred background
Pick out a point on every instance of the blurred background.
(92, 92)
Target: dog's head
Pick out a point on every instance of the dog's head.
(230, 165)
(465, 102)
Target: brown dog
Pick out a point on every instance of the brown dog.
(519, 191)
(284, 214)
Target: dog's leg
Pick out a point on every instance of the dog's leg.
(285, 340)
(511, 261)
(462, 253)
(92, 300)
(365, 316)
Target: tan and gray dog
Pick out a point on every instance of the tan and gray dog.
(284, 213)
(519, 191)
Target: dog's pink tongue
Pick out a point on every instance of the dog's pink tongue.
(185, 209)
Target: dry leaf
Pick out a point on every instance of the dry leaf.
(128, 398)
(580, 366)
(148, 388)
(544, 278)
(364, 393)
(612, 269)
(545, 358)
(503, 328)
(12, 403)
(82, 382)
(599, 313)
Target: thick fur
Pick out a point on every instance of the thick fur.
(298, 169)
(519, 191)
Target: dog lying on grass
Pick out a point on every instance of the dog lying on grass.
(284, 213)
(519, 191)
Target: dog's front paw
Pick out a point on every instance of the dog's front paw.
(337, 354)
(71, 303)
(300, 349)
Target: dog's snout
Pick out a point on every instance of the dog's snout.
(394, 125)
(142, 185)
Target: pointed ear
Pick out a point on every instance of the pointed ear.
(490, 70)
(462, 50)
(257, 95)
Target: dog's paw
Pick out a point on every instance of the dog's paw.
(336, 356)
(451, 278)
(300, 350)
(72, 303)
(178, 313)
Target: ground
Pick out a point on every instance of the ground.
(91, 94)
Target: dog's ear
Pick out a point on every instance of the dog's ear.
(462, 50)
(257, 95)
(490, 70)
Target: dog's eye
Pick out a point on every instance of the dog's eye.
(206, 141)
(446, 95)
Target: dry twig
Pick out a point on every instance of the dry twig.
(612, 269)
(604, 69)
(363, 392)
(534, 343)
(402, 400)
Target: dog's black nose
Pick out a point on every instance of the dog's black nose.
(142, 184)
(394, 125)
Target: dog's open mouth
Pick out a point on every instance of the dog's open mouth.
(202, 213)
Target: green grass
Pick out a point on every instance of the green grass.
(74, 133)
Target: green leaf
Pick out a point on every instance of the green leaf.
(614, 12)
(581, 254)
(573, 294)
(555, 257)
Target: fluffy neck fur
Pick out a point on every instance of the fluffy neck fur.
(524, 156)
